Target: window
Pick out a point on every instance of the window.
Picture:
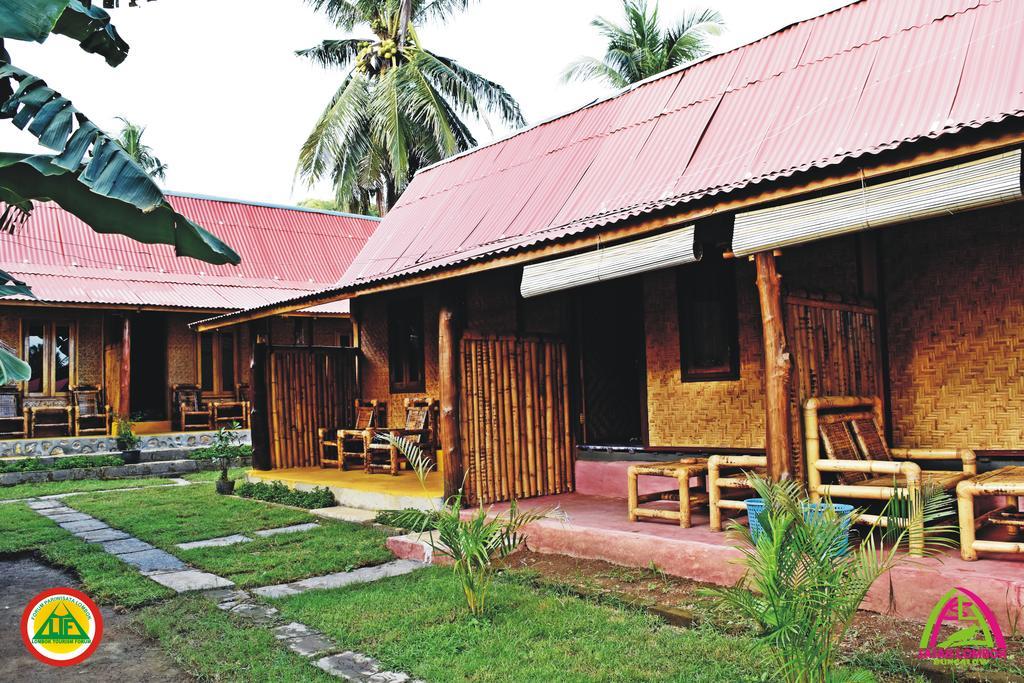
(49, 348)
(708, 338)
(405, 345)
(217, 362)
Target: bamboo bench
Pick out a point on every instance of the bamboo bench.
(1006, 481)
(680, 470)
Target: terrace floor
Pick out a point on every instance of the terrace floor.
(597, 528)
(356, 488)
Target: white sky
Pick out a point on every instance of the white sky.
(227, 104)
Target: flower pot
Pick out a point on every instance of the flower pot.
(755, 506)
(225, 487)
(131, 457)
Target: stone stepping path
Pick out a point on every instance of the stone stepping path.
(158, 565)
(339, 579)
(307, 642)
(241, 538)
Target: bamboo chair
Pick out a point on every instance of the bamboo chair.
(50, 421)
(349, 444)
(13, 416)
(728, 485)
(191, 412)
(226, 413)
(90, 415)
(420, 426)
(861, 464)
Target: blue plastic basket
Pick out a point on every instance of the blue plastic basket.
(755, 506)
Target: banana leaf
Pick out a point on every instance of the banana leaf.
(40, 177)
(10, 286)
(12, 368)
(29, 19)
(91, 27)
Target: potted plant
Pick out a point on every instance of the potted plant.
(225, 448)
(127, 441)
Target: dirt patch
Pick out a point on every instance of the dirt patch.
(123, 654)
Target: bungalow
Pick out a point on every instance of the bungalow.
(113, 314)
(831, 211)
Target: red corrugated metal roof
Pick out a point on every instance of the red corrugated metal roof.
(286, 251)
(860, 80)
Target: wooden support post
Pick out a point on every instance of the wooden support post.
(448, 365)
(777, 364)
(124, 405)
(258, 423)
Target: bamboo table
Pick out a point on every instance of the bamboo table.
(1006, 481)
(680, 470)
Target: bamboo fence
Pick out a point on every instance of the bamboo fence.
(309, 389)
(514, 418)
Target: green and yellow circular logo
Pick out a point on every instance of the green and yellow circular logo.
(61, 626)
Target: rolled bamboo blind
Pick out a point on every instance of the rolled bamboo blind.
(836, 351)
(309, 388)
(516, 441)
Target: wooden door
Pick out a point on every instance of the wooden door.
(112, 361)
(514, 405)
(836, 349)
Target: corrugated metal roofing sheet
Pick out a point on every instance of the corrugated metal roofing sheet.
(285, 252)
(860, 80)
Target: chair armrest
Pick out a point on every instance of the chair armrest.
(738, 461)
(964, 455)
(405, 432)
(869, 466)
(352, 433)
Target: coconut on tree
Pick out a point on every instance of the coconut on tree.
(399, 106)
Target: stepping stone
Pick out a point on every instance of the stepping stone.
(295, 528)
(102, 535)
(215, 542)
(149, 561)
(302, 640)
(43, 504)
(346, 514)
(251, 610)
(70, 516)
(223, 595)
(339, 579)
(57, 511)
(126, 545)
(89, 524)
(190, 580)
(353, 666)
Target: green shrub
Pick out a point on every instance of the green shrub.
(69, 463)
(277, 492)
(217, 451)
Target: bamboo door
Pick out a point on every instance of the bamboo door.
(310, 388)
(516, 440)
(836, 349)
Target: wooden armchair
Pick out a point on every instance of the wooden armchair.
(340, 446)
(420, 425)
(189, 409)
(728, 485)
(89, 414)
(13, 416)
(226, 413)
(859, 464)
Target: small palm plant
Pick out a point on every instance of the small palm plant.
(472, 543)
(803, 588)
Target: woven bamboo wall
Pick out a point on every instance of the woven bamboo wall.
(309, 388)
(514, 406)
(956, 330)
(727, 413)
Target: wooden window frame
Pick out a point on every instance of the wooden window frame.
(217, 391)
(725, 275)
(49, 343)
(401, 384)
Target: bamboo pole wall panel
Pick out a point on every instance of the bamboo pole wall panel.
(309, 388)
(516, 438)
(836, 351)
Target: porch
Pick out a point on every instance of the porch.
(358, 489)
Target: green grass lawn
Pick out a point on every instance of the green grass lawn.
(48, 488)
(213, 475)
(418, 623)
(166, 517)
(213, 645)
(104, 577)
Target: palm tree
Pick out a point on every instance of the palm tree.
(399, 106)
(130, 139)
(643, 48)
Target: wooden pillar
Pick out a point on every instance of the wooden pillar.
(777, 364)
(259, 429)
(448, 371)
(124, 404)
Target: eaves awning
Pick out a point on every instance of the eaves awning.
(639, 256)
(972, 185)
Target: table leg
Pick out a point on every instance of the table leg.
(632, 493)
(684, 500)
(965, 509)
